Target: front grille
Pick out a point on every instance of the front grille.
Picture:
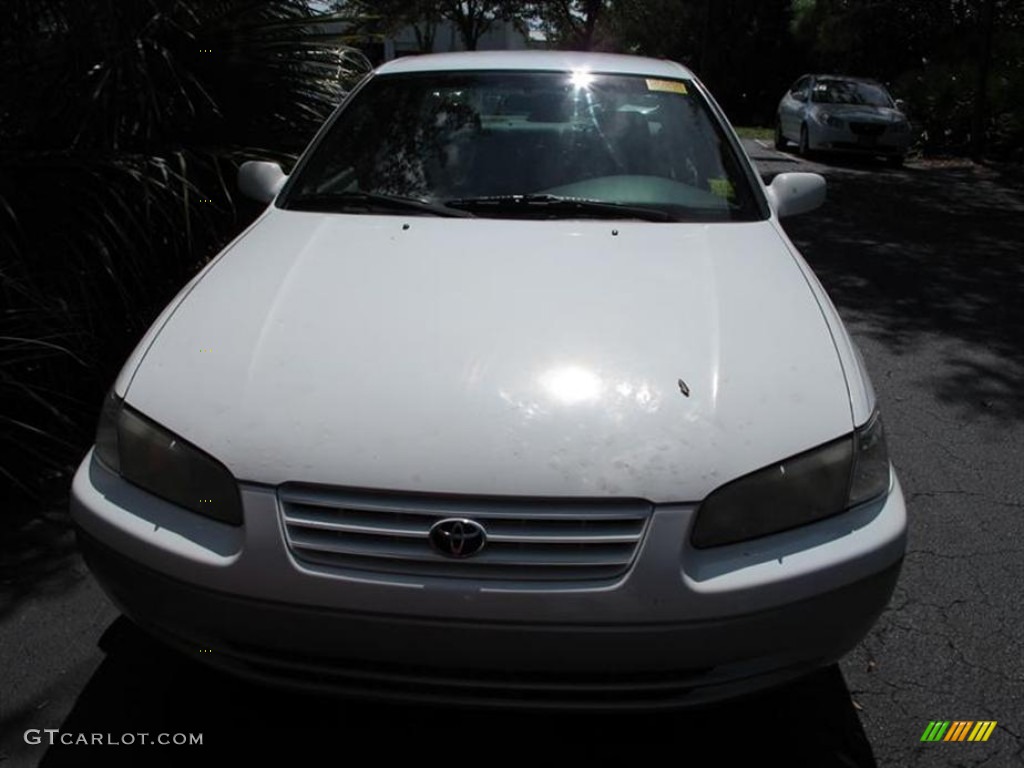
(867, 129)
(552, 540)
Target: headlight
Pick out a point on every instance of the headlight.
(147, 455)
(871, 471)
(107, 449)
(830, 120)
(803, 489)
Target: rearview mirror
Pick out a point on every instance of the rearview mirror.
(261, 180)
(794, 193)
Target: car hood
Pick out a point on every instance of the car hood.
(546, 358)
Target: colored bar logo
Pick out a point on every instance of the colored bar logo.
(958, 730)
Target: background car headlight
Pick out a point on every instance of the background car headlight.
(149, 456)
(830, 120)
(803, 489)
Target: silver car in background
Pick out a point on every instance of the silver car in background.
(842, 114)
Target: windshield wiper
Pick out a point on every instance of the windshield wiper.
(341, 201)
(556, 204)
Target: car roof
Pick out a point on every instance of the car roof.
(539, 61)
(851, 78)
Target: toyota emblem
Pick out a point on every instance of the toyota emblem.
(457, 537)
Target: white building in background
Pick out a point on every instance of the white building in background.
(500, 36)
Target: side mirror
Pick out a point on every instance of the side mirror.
(794, 193)
(261, 180)
(901, 105)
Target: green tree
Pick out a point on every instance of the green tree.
(740, 48)
(379, 19)
(471, 19)
(572, 24)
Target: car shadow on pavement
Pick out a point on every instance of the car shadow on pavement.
(141, 687)
(932, 252)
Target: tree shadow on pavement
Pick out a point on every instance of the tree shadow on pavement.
(141, 687)
(933, 252)
(36, 555)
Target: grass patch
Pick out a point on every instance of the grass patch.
(749, 132)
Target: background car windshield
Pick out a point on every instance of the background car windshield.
(441, 137)
(850, 92)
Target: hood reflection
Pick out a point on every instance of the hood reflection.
(574, 385)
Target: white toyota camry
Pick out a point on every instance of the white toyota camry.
(516, 393)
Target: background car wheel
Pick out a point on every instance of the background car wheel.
(780, 140)
(805, 146)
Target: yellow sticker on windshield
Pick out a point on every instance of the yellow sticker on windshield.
(722, 188)
(669, 86)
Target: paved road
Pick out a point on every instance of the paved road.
(926, 266)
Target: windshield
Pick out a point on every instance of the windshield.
(850, 92)
(477, 140)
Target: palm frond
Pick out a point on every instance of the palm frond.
(121, 128)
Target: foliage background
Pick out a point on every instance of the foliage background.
(959, 64)
(122, 123)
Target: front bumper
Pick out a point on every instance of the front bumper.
(825, 138)
(681, 627)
